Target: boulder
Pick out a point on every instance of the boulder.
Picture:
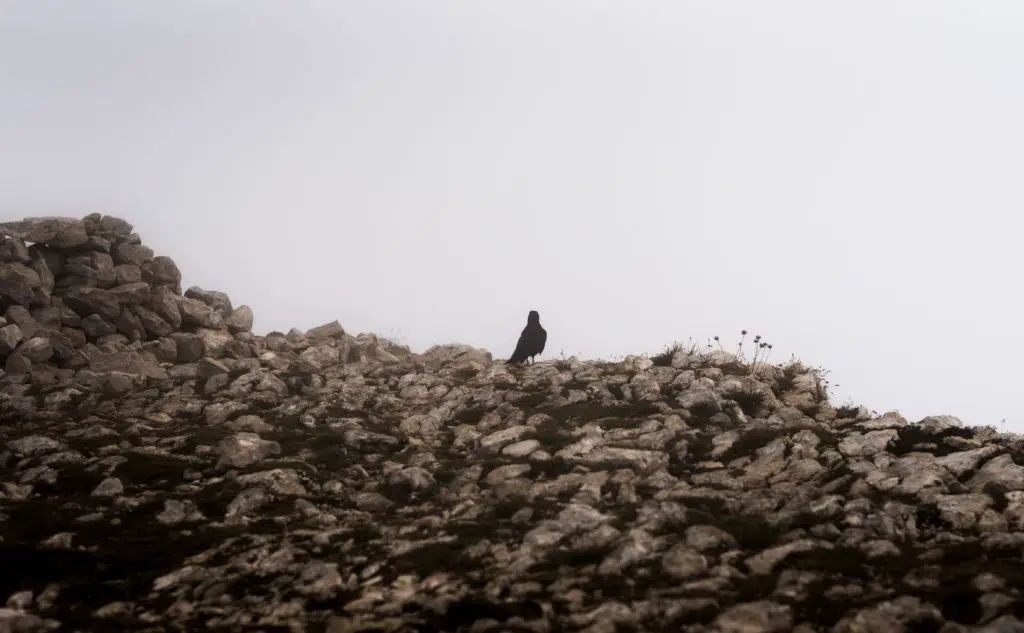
(18, 283)
(97, 268)
(13, 250)
(218, 301)
(195, 313)
(10, 337)
(240, 320)
(86, 300)
(132, 254)
(162, 271)
(122, 359)
(52, 231)
(134, 293)
(325, 331)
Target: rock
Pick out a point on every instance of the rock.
(411, 480)
(190, 347)
(502, 474)
(240, 319)
(126, 254)
(218, 301)
(521, 449)
(152, 324)
(37, 349)
(20, 316)
(176, 512)
(162, 271)
(892, 615)
(18, 364)
(86, 300)
(10, 336)
(684, 563)
(117, 382)
(762, 616)
(125, 274)
(133, 293)
(635, 548)
(165, 350)
(611, 457)
(35, 445)
(324, 332)
(126, 360)
(866, 444)
(17, 621)
(214, 342)
(962, 462)
(164, 304)
(52, 317)
(130, 326)
(54, 259)
(1000, 470)
(195, 313)
(62, 343)
(109, 487)
(208, 368)
(94, 269)
(52, 231)
(13, 250)
(18, 283)
(244, 449)
(465, 356)
(372, 502)
(96, 327)
(766, 562)
(109, 226)
(707, 538)
(47, 281)
(962, 511)
(495, 441)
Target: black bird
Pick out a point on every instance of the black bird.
(531, 341)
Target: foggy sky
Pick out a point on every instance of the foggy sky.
(842, 178)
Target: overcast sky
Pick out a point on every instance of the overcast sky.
(844, 179)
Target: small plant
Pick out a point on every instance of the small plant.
(847, 410)
(393, 338)
(664, 359)
(765, 350)
(563, 363)
(749, 402)
(739, 348)
(692, 350)
(824, 385)
(762, 350)
(760, 360)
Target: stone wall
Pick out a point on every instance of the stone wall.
(87, 293)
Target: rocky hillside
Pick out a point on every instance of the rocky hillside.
(162, 468)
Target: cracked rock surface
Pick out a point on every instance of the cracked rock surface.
(174, 471)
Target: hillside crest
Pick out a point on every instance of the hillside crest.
(162, 467)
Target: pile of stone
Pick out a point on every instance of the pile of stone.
(87, 293)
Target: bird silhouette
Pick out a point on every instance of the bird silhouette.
(531, 341)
